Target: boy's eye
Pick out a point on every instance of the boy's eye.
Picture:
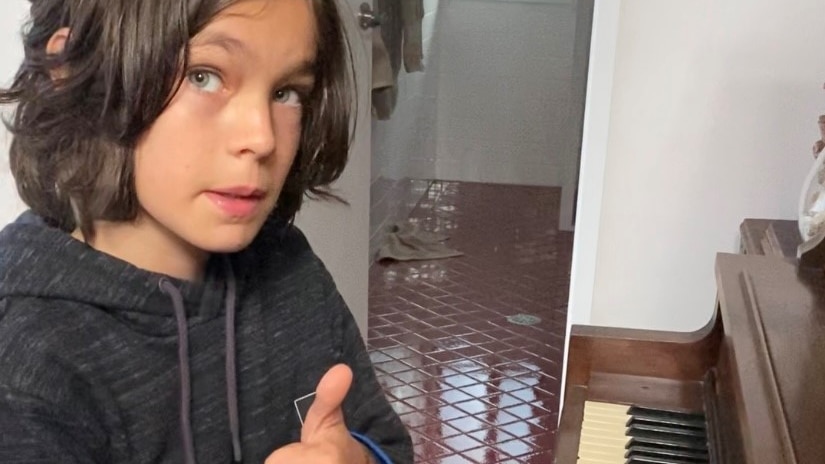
(288, 97)
(207, 81)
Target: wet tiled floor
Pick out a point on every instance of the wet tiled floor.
(470, 380)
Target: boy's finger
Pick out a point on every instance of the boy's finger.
(325, 411)
(288, 454)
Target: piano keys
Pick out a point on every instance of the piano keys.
(755, 372)
(620, 434)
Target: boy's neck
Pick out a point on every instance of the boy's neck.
(148, 247)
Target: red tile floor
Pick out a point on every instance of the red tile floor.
(472, 386)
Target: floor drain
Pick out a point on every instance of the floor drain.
(523, 319)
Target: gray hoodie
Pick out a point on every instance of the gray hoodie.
(102, 362)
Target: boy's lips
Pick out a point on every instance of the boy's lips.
(237, 202)
(239, 191)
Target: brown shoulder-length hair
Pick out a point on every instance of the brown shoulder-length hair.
(72, 152)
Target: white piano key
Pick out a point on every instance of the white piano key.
(603, 439)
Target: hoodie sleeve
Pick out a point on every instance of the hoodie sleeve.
(33, 431)
(368, 413)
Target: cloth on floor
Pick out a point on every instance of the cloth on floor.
(407, 242)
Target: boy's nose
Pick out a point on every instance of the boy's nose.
(253, 131)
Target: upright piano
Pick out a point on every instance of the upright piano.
(747, 388)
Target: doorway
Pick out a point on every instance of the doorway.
(481, 147)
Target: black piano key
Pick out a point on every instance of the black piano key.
(668, 423)
(683, 419)
(645, 420)
(664, 452)
(643, 425)
(665, 437)
(644, 437)
(655, 460)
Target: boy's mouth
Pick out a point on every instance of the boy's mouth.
(237, 202)
(240, 192)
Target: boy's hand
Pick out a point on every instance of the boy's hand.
(324, 435)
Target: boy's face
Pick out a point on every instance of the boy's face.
(208, 172)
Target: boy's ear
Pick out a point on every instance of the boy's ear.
(55, 46)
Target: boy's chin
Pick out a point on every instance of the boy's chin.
(229, 248)
(227, 242)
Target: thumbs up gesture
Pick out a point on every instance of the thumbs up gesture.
(324, 435)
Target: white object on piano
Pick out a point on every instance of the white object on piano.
(812, 201)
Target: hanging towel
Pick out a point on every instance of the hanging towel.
(401, 37)
(412, 14)
(382, 75)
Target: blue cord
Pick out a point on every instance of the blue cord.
(376, 451)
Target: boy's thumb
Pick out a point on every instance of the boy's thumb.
(325, 411)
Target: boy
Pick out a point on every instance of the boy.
(156, 304)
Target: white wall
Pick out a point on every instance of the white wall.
(712, 113)
(494, 100)
(340, 234)
(12, 15)
(504, 90)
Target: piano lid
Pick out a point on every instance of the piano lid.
(778, 344)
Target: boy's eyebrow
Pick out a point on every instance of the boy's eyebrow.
(230, 44)
(305, 68)
(234, 46)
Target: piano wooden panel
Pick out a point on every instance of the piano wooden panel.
(762, 438)
(779, 343)
(628, 366)
(769, 237)
(757, 369)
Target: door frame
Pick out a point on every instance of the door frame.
(595, 136)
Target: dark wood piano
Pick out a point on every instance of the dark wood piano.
(754, 375)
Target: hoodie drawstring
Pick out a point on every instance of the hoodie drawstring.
(183, 369)
(231, 368)
(183, 366)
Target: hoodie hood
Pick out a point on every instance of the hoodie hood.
(40, 261)
(33, 253)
